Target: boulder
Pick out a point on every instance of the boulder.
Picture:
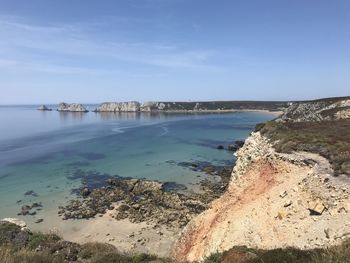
(235, 146)
(316, 207)
(85, 192)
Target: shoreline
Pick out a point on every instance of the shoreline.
(145, 235)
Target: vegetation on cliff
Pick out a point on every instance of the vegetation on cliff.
(335, 254)
(22, 246)
(330, 139)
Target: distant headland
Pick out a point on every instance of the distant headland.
(175, 106)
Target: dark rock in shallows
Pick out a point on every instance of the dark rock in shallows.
(235, 146)
(220, 147)
(39, 220)
(31, 192)
(85, 192)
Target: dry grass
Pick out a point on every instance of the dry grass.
(336, 254)
(330, 139)
(9, 255)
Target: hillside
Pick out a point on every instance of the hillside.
(283, 191)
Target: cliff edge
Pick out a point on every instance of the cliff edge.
(278, 197)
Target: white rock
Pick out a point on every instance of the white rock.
(16, 221)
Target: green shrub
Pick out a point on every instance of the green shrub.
(41, 239)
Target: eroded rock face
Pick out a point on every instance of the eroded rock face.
(319, 110)
(130, 106)
(273, 200)
(73, 107)
(153, 106)
(255, 146)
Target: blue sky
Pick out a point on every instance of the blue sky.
(94, 51)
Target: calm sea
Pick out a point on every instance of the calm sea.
(48, 153)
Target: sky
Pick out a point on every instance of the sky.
(92, 51)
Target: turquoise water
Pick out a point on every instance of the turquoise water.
(48, 152)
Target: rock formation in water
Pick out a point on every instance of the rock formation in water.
(129, 106)
(157, 106)
(73, 107)
(44, 108)
(280, 197)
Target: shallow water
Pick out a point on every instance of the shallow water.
(49, 152)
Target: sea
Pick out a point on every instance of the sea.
(45, 156)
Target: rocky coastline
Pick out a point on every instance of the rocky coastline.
(149, 201)
(214, 106)
(278, 199)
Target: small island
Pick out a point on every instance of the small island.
(73, 107)
(44, 108)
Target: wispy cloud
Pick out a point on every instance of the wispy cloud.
(64, 48)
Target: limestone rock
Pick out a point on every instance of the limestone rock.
(44, 108)
(129, 106)
(318, 110)
(316, 207)
(153, 106)
(74, 107)
(283, 194)
(16, 221)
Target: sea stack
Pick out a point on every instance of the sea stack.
(73, 107)
(44, 108)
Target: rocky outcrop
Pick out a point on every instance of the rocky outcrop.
(149, 201)
(130, 106)
(153, 106)
(44, 108)
(15, 221)
(319, 110)
(73, 107)
(255, 147)
(273, 200)
(235, 146)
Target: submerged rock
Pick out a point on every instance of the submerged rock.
(32, 193)
(74, 107)
(148, 201)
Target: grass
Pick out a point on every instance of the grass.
(330, 139)
(10, 255)
(335, 254)
(39, 239)
(55, 250)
